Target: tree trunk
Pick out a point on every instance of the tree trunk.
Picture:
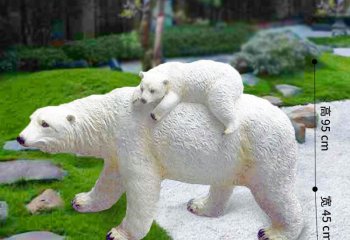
(157, 50)
(145, 28)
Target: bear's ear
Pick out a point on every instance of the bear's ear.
(141, 74)
(70, 118)
(165, 82)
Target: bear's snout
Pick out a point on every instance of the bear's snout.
(20, 140)
(143, 100)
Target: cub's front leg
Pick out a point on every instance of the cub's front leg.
(104, 194)
(142, 184)
(136, 95)
(168, 103)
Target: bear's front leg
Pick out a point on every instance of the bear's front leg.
(104, 194)
(168, 103)
(142, 185)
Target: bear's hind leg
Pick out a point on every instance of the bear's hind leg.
(212, 205)
(282, 206)
(221, 102)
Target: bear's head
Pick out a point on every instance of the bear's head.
(153, 86)
(51, 129)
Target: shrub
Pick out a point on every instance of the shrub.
(44, 57)
(121, 46)
(204, 40)
(274, 52)
(8, 61)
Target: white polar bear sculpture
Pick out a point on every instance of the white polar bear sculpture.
(187, 145)
(214, 84)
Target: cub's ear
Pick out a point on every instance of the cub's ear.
(165, 82)
(70, 118)
(141, 74)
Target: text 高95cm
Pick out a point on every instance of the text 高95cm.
(325, 127)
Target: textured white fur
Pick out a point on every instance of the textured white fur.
(214, 84)
(187, 145)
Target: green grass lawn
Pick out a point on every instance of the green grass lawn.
(339, 41)
(20, 95)
(332, 82)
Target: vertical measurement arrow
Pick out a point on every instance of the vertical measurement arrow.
(314, 189)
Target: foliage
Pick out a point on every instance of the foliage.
(338, 41)
(275, 52)
(46, 57)
(121, 46)
(22, 93)
(8, 61)
(201, 40)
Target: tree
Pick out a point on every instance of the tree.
(145, 31)
(157, 49)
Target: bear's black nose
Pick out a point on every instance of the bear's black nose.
(20, 140)
(143, 100)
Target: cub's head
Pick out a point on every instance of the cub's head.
(51, 129)
(153, 87)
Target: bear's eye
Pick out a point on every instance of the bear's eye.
(152, 91)
(44, 124)
(141, 89)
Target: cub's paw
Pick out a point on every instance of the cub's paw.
(270, 234)
(118, 234)
(154, 117)
(230, 129)
(83, 202)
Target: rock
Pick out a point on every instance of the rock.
(304, 115)
(36, 236)
(345, 52)
(242, 65)
(3, 211)
(299, 129)
(15, 146)
(114, 64)
(47, 200)
(288, 90)
(250, 79)
(274, 100)
(12, 171)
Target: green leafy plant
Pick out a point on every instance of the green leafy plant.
(45, 57)
(201, 40)
(274, 52)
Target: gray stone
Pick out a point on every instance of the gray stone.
(345, 52)
(3, 211)
(36, 236)
(15, 146)
(288, 90)
(47, 200)
(304, 115)
(249, 79)
(299, 129)
(274, 100)
(12, 171)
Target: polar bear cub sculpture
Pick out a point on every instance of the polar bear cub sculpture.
(214, 84)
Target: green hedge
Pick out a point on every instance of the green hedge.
(177, 41)
(46, 57)
(204, 40)
(338, 41)
(120, 46)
